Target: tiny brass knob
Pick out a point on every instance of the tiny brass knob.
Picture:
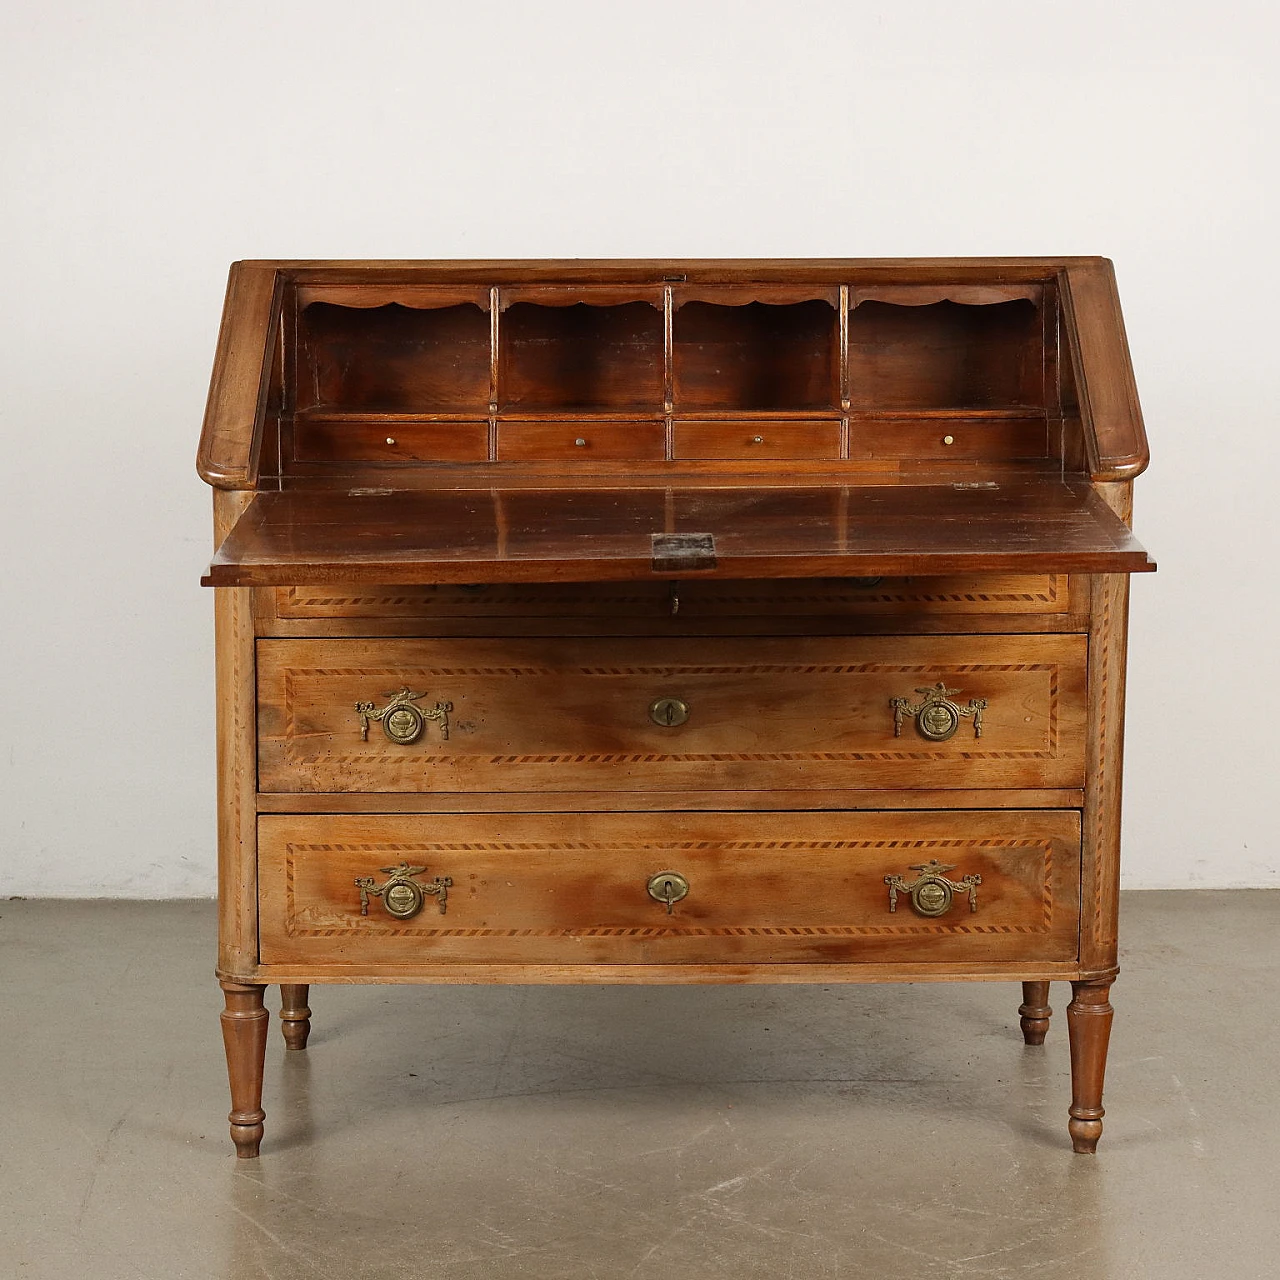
(757, 439)
(391, 439)
(581, 442)
(948, 439)
(668, 887)
(668, 712)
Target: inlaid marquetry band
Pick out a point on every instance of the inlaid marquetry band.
(937, 726)
(303, 923)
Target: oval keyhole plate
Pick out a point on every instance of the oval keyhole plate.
(668, 887)
(668, 712)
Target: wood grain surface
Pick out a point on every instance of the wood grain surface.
(762, 887)
(303, 537)
(540, 497)
(569, 715)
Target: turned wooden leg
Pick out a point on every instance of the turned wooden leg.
(295, 1017)
(1089, 1029)
(244, 1033)
(1034, 1012)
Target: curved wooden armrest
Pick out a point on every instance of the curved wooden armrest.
(231, 440)
(1115, 438)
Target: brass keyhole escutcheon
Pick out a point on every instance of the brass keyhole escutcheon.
(668, 712)
(668, 887)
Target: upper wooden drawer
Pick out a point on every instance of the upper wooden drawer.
(626, 715)
(903, 603)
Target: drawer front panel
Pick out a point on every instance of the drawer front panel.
(570, 715)
(757, 440)
(344, 441)
(950, 440)
(761, 888)
(581, 441)
(904, 598)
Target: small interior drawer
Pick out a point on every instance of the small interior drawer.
(344, 440)
(758, 441)
(581, 441)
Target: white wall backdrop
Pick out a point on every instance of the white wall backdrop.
(146, 144)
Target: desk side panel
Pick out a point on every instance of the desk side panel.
(237, 747)
(1104, 754)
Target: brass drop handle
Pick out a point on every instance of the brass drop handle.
(402, 721)
(931, 893)
(667, 713)
(668, 887)
(402, 895)
(937, 717)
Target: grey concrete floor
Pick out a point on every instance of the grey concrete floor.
(660, 1132)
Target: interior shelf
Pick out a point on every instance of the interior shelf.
(946, 356)
(756, 356)
(581, 357)
(410, 365)
(393, 358)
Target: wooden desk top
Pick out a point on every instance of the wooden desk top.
(614, 534)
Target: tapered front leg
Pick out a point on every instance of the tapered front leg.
(1034, 1012)
(1089, 1029)
(244, 1033)
(295, 1017)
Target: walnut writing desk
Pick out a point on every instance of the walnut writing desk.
(670, 622)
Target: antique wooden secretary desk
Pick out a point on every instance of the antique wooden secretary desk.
(742, 621)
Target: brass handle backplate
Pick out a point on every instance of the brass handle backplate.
(668, 712)
(402, 721)
(402, 895)
(668, 887)
(931, 893)
(937, 717)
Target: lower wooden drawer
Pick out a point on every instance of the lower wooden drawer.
(762, 888)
